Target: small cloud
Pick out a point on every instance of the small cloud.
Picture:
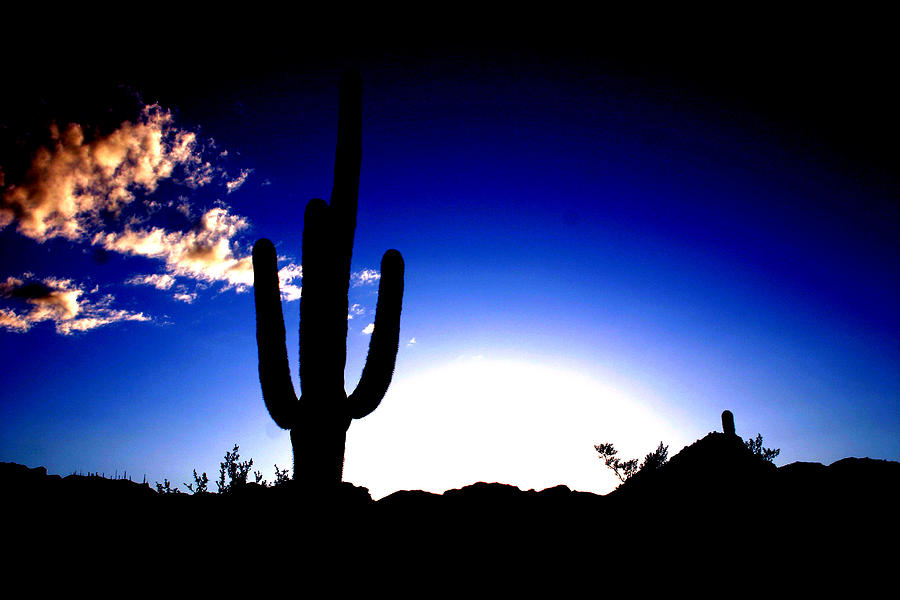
(238, 181)
(201, 173)
(286, 277)
(60, 301)
(185, 297)
(369, 329)
(183, 206)
(411, 342)
(160, 282)
(364, 277)
(356, 310)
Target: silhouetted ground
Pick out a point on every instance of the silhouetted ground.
(713, 509)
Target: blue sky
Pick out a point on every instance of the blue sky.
(596, 250)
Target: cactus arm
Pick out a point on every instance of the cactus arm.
(274, 371)
(379, 367)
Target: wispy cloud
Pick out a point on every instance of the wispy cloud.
(187, 297)
(238, 181)
(61, 301)
(411, 342)
(356, 310)
(204, 253)
(161, 282)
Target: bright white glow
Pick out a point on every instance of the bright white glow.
(529, 425)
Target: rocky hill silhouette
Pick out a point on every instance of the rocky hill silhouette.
(715, 501)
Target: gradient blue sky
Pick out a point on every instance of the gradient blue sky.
(597, 249)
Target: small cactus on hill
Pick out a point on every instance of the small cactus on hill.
(728, 423)
(319, 420)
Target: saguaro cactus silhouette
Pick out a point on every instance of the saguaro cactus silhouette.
(319, 420)
(727, 422)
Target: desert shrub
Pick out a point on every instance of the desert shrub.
(258, 479)
(233, 474)
(166, 488)
(655, 459)
(281, 477)
(627, 469)
(235, 471)
(622, 469)
(200, 481)
(755, 446)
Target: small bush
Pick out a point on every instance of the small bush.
(200, 481)
(233, 474)
(166, 488)
(281, 476)
(627, 469)
(622, 469)
(756, 448)
(235, 470)
(655, 459)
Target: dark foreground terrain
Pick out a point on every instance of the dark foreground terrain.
(714, 507)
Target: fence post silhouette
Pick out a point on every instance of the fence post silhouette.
(319, 419)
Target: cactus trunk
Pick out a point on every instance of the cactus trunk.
(318, 421)
(318, 454)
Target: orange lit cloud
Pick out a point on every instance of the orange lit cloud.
(67, 187)
(60, 301)
(238, 181)
(205, 253)
(71, 190)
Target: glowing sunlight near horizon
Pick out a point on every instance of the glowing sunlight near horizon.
(506, 421)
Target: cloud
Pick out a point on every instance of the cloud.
(188, 297)
(204, 253)
(79, 190)
(60, 301)
(364, 277)
(368, 329)
(411, 342)
(286, 277)
(68, 187)
(356, 310)
(238, 181)
(160, 282)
